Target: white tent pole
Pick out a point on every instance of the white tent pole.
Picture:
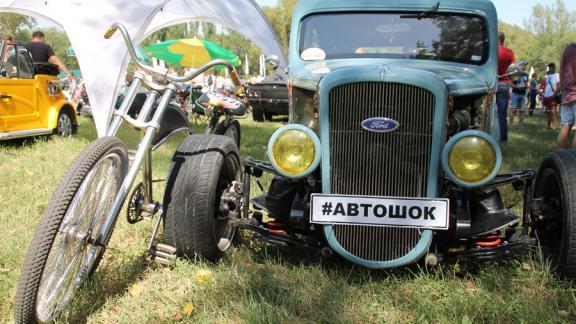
(246, 67)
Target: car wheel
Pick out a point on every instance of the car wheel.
(64, 126)
(555, 228)
(202, 169)
(257, 114)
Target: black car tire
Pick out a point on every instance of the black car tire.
(202, 167)
(230, 129)
(257, 114)
(556, 231)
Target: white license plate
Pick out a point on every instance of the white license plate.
(380, 211)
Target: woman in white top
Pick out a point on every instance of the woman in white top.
(549, 100)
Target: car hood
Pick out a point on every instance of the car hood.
(461, 79)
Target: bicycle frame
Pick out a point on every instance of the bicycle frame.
(150, 126)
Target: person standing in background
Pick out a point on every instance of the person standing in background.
(533, 93)
(568, 100)
(519, 90)
(43, 53)
(549, 99)
(505, 58)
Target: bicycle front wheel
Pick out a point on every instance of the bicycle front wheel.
(62, 254)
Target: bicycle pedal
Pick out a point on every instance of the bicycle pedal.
(164, 262)
(165, 248)
(164, 254)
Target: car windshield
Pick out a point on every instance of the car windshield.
(429, 36)
(15, 62)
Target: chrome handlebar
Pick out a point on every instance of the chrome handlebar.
(164, 74)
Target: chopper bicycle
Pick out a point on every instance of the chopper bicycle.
(78, 222)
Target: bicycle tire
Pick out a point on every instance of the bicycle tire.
(59, 219)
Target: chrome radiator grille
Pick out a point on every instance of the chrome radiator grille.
(379, 164)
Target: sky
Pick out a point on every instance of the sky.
(510, 11)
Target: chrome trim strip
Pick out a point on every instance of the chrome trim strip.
(25, 133)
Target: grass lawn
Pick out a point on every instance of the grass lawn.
(256, 283)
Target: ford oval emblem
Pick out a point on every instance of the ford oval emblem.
(380, 125)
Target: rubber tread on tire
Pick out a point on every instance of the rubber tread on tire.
(191, 194)
(33, 267)
(562, 163)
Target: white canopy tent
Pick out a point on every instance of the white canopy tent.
(103, 62)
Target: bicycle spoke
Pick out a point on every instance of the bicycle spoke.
(69, 261)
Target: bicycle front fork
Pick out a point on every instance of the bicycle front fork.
(144, 151)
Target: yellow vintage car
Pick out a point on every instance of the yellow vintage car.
(31, 98)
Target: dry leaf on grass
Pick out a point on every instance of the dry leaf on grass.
(188, 309)
(135, 290)
(203, 275)
(563, 313)
(526, 266)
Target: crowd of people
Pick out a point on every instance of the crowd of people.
(555, 92)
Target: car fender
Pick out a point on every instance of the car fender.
(54, 112)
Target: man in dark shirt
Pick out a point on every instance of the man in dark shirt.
(43, 53)
(505, 58)
(519, 90)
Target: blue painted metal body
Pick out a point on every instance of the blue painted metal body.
(443, 79)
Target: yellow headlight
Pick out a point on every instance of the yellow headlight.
(293, 152)
(472, 159)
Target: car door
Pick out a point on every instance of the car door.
(18, 94)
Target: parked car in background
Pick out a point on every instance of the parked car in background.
(31, 98)
(269, 98)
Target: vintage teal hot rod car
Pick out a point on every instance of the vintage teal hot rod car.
(391, 154)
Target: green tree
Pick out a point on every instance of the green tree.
(11, 23)
(280, 18)
(553, 27)
(209, 31)
(172, 32)
(520, 41)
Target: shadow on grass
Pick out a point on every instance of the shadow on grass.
(288, 284)
(110, 280)
(297, 256)
(24, 142)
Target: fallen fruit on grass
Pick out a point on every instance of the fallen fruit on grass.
(203, 275)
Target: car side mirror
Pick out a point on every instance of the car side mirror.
(273, 60)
